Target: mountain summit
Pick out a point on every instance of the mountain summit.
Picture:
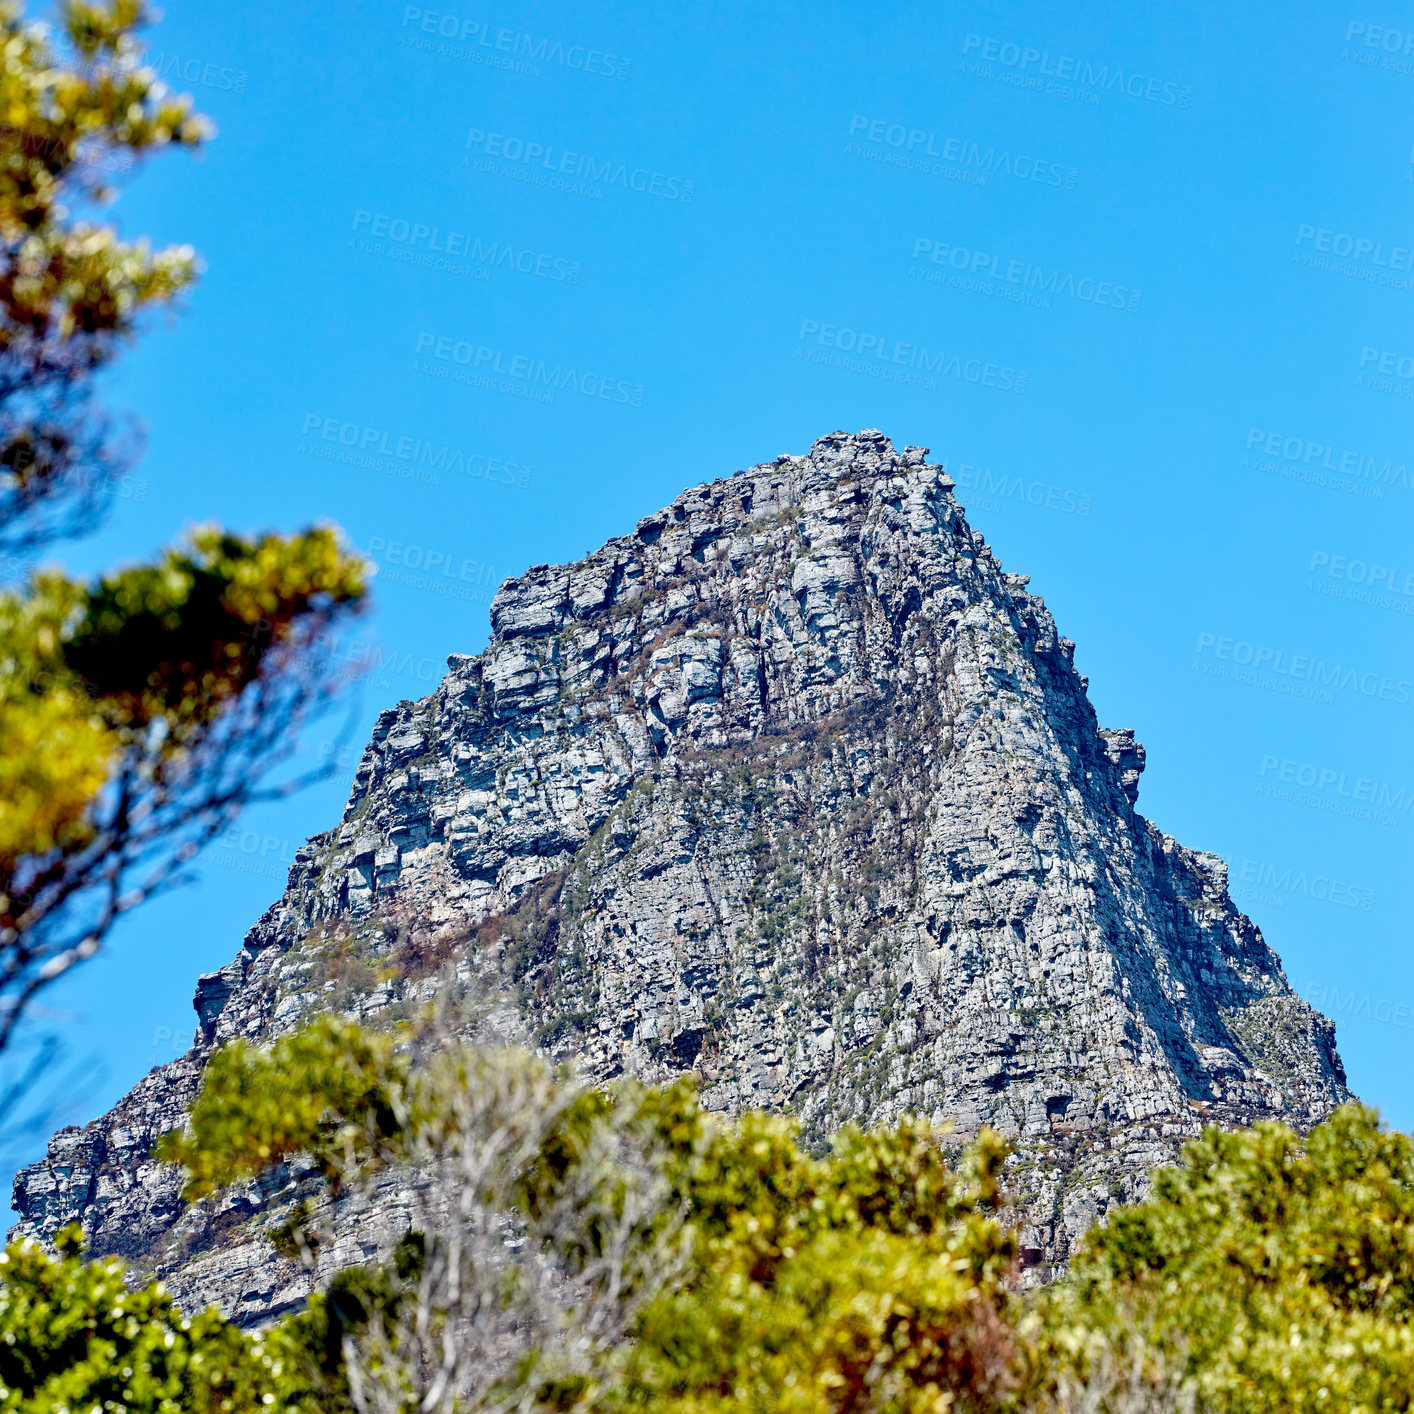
(793, 789)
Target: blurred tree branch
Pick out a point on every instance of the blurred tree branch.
(139, 713)
(71, 292)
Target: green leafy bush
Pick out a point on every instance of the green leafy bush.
(622, 1249)
(871, 1278)
(74, 1337)
(1272, 1272)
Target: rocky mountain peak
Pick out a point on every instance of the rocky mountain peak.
(792, 788)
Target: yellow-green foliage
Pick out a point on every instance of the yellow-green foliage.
(871, 1278)
(73, 1337)
(874, 1274)
(84, 670)
(1267, 1273)
(178, 639)
(317, 1091)
(1278, 1273)
(109, 691)
(67, 280)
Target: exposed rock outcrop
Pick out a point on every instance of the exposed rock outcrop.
(792, 788)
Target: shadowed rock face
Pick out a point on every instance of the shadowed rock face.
(792, 788)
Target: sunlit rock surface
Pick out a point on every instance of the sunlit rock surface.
(792, 788)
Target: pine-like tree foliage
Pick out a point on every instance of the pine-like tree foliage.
(622, 1249)
(138, 713)
(1271, 1271)
(77, 107)
(757, 1276)
(74, 1337)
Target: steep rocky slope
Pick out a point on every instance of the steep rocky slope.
(793, 788)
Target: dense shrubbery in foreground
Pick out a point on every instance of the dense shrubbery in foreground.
(570, 1249)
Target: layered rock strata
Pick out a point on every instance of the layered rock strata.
(792, 788)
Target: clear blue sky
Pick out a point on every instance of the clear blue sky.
(1143, 281)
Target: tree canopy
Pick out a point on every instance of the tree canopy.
(565, 1247)
(141, 711)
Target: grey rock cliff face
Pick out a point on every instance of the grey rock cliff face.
(792, 788)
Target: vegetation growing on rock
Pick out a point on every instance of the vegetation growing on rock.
(567, 1247)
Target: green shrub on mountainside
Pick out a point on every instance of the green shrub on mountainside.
(74, 1337)
(1273, 1271)
(626, 1250)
